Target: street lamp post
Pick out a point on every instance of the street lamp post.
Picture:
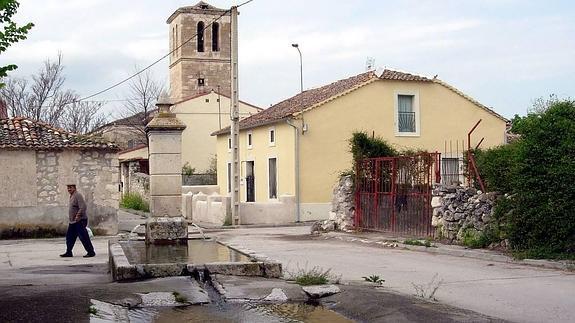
(296, 46)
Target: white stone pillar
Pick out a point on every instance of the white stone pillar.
(165, 147)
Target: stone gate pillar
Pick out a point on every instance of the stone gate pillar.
(166, 224)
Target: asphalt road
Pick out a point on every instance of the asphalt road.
(507, 291)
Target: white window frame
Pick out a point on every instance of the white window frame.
(268, 178)
(415, 95)
(249, 140)
(229, 144)
(270, 142)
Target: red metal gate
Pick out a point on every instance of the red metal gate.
(393, 194)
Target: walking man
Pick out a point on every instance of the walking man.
(78, 223)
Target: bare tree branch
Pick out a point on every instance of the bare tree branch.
(143, 92)
(44, 98)
(83, 117)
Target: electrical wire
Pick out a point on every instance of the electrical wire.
(161, 58)
(85, 99)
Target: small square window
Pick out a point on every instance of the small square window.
(207, 100)
(201, 81)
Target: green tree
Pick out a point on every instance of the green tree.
(543, 220)
(11, 33)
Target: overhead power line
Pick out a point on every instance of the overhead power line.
(161, 58)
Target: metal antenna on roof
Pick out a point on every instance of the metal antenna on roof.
(369, 64)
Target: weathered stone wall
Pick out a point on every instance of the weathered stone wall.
(35, 200)
(459, 209)
(342, 208)
(139, 182)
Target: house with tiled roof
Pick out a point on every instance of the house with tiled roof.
(37, 161)
(293, 152)
(202, 114)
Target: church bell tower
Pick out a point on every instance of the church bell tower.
(200, 61)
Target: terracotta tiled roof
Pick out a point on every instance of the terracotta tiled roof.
(22, 133)
(133, 120)
(302, 101)
(314, 97)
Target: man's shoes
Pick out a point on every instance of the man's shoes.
(90, 255)
(66, 255)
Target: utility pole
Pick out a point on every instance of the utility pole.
(235, 116)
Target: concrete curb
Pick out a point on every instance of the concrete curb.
(456, 251)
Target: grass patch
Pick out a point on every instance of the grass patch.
(416, 242)
(134, 201)
(374, 279)
(179, 297)
(475, 239)
(92, 310)
(313, 276)
(541, 253)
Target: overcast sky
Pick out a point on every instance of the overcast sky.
(504, 53)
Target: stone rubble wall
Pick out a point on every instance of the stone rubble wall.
(458, 209)
(140, 183)
(342, 208)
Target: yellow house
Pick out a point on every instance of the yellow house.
(299, 146)
(203, 114)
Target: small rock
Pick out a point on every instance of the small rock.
(158, 299)
(319, 291)
(436, 201)
(277, 295)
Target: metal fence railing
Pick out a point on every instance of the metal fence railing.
(199, 179)
(406, 121)
(393, 194)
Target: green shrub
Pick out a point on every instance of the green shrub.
(134, 201)
(475, 239)
(497, 167)
(543, 218)
(362, 146)
(188, 170)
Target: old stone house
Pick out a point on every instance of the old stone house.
(135, 171)
(36, 162)
(297, 148)
(127, 132)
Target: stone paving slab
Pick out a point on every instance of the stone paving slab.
(255, 288)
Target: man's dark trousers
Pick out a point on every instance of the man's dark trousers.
(76, 230)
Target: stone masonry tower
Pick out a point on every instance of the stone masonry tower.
(202, 64)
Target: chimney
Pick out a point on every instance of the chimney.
(3, 109)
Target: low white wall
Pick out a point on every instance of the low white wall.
(215, 208)
(281, 211)
(210, 208)
(315, 211)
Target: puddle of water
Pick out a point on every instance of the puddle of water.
(194, 252)
(256, 313)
